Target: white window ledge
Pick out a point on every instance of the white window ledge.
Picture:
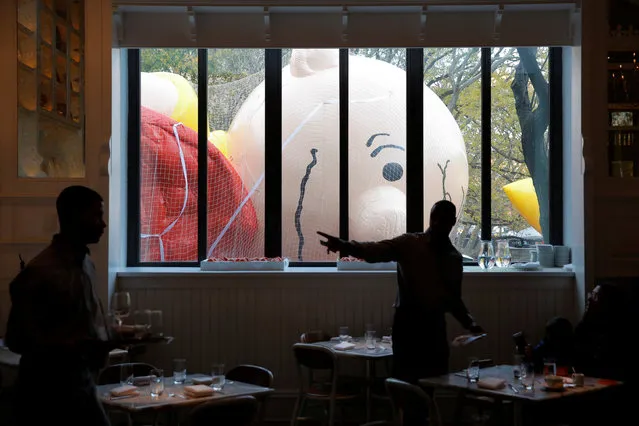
(151, 271)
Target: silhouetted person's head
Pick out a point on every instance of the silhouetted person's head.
(558, 331)
(443, 216)
(80, 214)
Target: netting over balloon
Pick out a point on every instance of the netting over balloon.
(169, 192)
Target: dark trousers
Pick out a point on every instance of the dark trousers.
(420, 349)
(56, 393)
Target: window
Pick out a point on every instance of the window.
(478, 126)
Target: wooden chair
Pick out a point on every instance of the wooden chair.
(111, 373)
(236, 411)
(312, 358)
(255, 375)
(405, 396)
(314, 336)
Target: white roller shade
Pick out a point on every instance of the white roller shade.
(411, 24)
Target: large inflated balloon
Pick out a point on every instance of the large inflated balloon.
(169, 191)
(377, 150)
(172, 95)
(523, 197)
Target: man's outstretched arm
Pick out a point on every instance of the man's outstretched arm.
(373, 252)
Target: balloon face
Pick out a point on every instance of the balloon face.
(377, 151)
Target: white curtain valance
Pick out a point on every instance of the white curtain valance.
(404, 24)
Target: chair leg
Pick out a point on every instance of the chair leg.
(297, 409)
(331, 412)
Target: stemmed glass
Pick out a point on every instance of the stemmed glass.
(121, 305)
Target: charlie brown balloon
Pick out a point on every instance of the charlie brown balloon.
(376, 151)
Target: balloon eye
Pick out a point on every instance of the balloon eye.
(393, 172)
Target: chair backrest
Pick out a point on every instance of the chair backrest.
(403, 395)
(253, 374)
(236, 411)
(111, 373)
(314, 336)
(314, 357)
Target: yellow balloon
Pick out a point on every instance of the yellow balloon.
(185, 110)
(523, 197)
(219, 138)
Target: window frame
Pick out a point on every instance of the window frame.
(273, 136)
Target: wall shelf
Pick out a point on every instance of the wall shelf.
(51, 142)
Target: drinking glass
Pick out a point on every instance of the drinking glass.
(371, 342)
(343, 333)
(503, 254)
(179, 370)
(121, 305)
(218, 378)
(156, 386)
(472, 372)
(486, 258)
(528, 376)
(517, 367)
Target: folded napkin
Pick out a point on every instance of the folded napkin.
(197, 391)
(124, 390)
(493, 383)
(337, 339)
(387, 339)
(344, 346)
(202, 380)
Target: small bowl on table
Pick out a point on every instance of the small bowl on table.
(554, 382)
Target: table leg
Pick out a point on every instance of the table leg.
(369, 384)
(459, 408)
(518, 419)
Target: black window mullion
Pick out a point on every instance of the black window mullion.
(273, 153)
(556, 146)
(414, 140)
(133, 158)
(486, 135)
(202, 154)
(343, 145)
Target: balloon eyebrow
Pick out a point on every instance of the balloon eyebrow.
(370, 140)
(379, 148)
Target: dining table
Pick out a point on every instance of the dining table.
(513, 390)
(383, 350)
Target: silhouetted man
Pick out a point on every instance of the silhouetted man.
(57, 322)
(429, 276)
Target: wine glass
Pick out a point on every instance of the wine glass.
(121, 305)
(486, 258)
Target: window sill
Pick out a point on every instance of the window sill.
(152, 271)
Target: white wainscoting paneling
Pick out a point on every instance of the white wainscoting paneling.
(255, 317)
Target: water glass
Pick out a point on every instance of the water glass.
(486, 258)
(528, 376)
(156, 386)
(472, 372)
(503, 254)
(218, 378)
(126, 373)
(371, 342)
(179, 371)
(343, 333)
(517, 367)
